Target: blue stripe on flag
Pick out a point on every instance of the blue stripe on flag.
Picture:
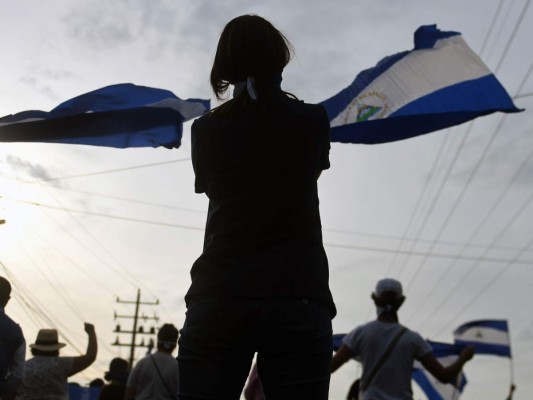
(483, 95)
(427, 35)
(427, 387)
(487, 348)
(500, 325)
(123, 115)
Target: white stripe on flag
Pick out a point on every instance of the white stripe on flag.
(23, 120)
(484, 335)
(419, 73)
(187, 109)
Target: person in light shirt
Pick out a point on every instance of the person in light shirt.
(367, 342)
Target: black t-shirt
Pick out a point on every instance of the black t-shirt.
(259, 168)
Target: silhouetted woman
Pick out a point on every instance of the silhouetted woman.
(261, 283)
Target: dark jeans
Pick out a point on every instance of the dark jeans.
(292, 338)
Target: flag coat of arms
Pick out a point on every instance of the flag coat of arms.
(440, 83)
(487, 337)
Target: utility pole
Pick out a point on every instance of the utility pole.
(134, 332)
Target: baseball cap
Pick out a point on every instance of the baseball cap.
(388, 285)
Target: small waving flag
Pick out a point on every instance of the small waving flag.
(446, 354)
(337, 340)
(487, 337)
(440, 83)
(123, 115)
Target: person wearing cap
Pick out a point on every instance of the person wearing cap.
(367, 343)
(156, 375)
(46, 373)
(12, 347)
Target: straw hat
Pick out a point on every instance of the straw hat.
(47, 341)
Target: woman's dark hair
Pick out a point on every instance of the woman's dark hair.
(249, 46)
(53, 353)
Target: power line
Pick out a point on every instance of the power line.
(522, 96)
(95, 240)
(439, 192)
(502, 247)
(424, 254)
(504, 21)
(109, 171)
(478, 260)
(340, 231)
(34, 310)
(70, 260)
(61, 293)
(491, 28)
(478, 228)
(419, 201)
(469, 180)
(41, 310)
(513, 34)
(416, 208)
(125, 199)
(494, 279)
(384, 250)
(96, 214)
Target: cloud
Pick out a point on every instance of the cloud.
(102, 26)
(24, 168)
(43, 80)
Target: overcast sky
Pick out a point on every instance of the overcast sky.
(449, 213)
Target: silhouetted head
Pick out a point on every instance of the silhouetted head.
(98, 383)
(249, 46)
(388, 296)
(118, 370)
(167, 338)
(5, 291)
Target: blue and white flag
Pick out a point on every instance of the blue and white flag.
(123, 115)
(440, 83)
(487, 337)
(446, 354)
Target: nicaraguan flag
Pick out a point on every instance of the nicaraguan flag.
(440, 83)
(487, 337)
(123, 115)
(446, 354)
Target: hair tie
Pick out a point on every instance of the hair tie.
(249, 85)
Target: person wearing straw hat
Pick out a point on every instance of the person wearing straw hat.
(387, 350)
(46, 374)
(12, 347)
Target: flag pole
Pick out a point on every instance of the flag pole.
(455, 394)
(511, 364)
